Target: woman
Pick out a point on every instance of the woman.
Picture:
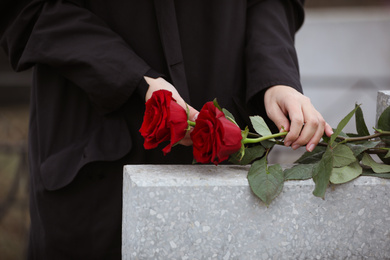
(96, 62)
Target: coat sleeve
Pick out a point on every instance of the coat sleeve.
(271, 58)
(80, 46)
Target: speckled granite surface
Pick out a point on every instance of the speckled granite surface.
(209, 212)
(383, 101)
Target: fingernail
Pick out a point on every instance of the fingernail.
(287, 143)
(295, 146)
(311, 147)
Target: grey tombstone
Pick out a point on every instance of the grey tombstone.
(209, 212)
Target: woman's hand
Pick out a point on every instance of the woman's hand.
(289, 109)
(160, 83)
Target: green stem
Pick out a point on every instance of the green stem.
(376, 151)
(191, 123)
(362, 138)
(263, 138)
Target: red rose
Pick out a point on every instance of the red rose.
(214, 137)
(164, 120)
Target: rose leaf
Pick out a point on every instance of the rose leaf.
(266, 182)
(361, 147)
(376, 167)
(341, 125)
(371, 173)
(229, 115)
(342, 156)
(313, 156)
(361, 126)
(346, 173)
(267, 144)
(299, 172)
(215, 102)
(251, 154)
(321, 173)
(260, 126)
(384, 124)
(388, 154)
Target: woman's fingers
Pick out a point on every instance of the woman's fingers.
(160, 83)
(193, 114)
(288, 108)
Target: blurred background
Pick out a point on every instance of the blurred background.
(344, 54)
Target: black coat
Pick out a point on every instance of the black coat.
(90, 56)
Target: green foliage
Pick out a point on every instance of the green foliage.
(266, 182)
(358, 148)
(299, 172)
(267, 144)
(342, 156)
(384, 120)
(338, 159)
(251, 154)
(346, 173)
(371, 173)
(312, 157)
(236, 158)
(376, 167)
(341, 126)
(384, 159)
(260, 126)
(215, 102)
(384, 124)
(322, 172)
(361, 126)
(228, 115)
(388, 154)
